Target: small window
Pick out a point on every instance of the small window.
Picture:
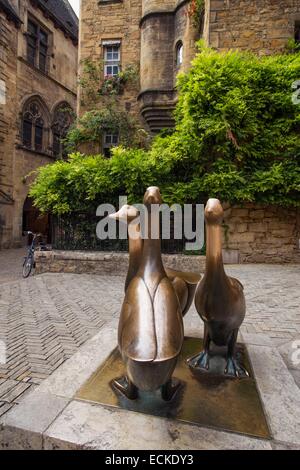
(111, 60)
(297, 32)
(179, 54)
(109, 140)
(37, 45)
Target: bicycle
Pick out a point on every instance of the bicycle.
(29, 263)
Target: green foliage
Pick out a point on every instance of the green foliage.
(75, 185)
(91, 126)
(236, 138)
(89, 80)
(94, 86)
(292, 46)
(196, 10)
(235, 110)
(115, 85)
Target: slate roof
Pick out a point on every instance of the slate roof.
(61, 12)
(9, 10)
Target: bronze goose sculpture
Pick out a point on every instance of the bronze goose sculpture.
(150, 334)
(219, 299)
(184, 283)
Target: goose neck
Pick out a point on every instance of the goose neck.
(152, 243)
(214, 259)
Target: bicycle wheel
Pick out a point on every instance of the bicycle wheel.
(27, 265)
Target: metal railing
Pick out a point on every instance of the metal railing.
(78, 232)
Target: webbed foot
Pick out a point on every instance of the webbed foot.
(169, 389)
(233, 368)
(200, 361)
(126, 387)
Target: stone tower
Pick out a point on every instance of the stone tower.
(167, 46)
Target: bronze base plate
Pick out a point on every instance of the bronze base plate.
(205, 398)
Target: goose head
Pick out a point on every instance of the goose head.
(152, 196)
(214, 212)
(126, 214)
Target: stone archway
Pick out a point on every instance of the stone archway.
(34, 221)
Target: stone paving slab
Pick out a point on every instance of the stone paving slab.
(51, 418)
(88, 426)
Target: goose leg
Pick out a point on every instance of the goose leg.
(126, 387)
(169, 389)
(232, 366)
(201, 361)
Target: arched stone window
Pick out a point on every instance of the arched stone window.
(61, 122)
(179, 54)
(34, 126)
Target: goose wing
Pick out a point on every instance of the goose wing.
(137, 338)
(168, 321)
(188, 277)
(182, 291)
(236, 283)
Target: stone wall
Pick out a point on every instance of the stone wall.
(105, 263)
(8, 106)
(263, 234)
(263, 26)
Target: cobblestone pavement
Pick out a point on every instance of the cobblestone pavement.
(44, 319)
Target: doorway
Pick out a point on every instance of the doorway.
(36, 222)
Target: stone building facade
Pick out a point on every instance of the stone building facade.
(38, 85)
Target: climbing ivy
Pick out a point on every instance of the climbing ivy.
(90, 128)
(101, 96)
